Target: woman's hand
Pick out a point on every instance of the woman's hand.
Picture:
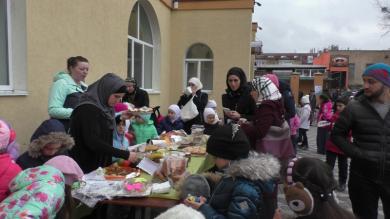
(195, 205)
(278, 214)
(132, 157)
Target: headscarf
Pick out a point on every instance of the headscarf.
(197, 83)
(209, 111)
(99, 93)
(211, 104)
(266, 88)
(175, 108)
(240, 74)
(273, 78)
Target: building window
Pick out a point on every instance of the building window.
(5, 73)
(199, 63)
(142, 46)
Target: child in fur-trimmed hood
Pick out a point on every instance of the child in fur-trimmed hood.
(48, 141)
(246, 178)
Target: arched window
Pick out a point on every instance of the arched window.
(199, 63)
(142, 34)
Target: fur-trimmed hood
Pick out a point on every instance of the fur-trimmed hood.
(257, 166)
(35, 146)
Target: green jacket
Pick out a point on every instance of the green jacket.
(144, 131)
(63, 86)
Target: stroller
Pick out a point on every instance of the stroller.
(156, 116)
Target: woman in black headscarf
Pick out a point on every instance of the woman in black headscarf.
(237, 98)
(92, 124)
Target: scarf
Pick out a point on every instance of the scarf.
(175, 108)
(99, 93)
(210, 111)
(266, 89)
(197, 83)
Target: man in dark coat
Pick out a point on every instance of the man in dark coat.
(368, 118)
(135, 95)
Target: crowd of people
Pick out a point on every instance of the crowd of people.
(254, 146)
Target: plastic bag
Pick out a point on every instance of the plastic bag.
(189, 111)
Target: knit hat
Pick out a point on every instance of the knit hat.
(119, 107)
(68, 167)
(131, 80)
(380, 72)
(305, 99)
(273, 78)
(228, 142)
(175, 108)
(195, 185)
(5, 134)
(179, 212)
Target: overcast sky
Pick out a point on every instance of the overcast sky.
(299, 25)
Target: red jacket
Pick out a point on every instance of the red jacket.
(8, 170)
(330, 146)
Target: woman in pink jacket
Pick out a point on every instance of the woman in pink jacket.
(323, 121)
(8, 168)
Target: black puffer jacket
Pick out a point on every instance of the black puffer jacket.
(370, 150)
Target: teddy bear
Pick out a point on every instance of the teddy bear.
(299, 199)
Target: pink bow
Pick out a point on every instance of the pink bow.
(134, 187)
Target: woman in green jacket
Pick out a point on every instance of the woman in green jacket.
(67, 88)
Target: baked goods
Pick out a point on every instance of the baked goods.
(115, 172)
(151, 148)
(195, 150)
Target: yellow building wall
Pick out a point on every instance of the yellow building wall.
(226, 32)
(95, 29)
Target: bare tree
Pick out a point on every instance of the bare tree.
(385, 10)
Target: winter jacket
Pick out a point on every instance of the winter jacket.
(330, 146)
(138, 98)
(370, 149)
(144, 131)
(8, 170)
(200, 100)
(63, 86)
(269, 113)
(167, 125)
(240, 101)
(288, 100)
(93, 148)
(241, 191)
(35, 193)
(304, 115)
(48, 132)
(325, 112)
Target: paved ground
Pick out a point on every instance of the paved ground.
(312, 152)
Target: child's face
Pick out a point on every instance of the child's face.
(340, 107)
(51, 149)
(221, 163)
(121, 128)
(210, 119)
(171, 114)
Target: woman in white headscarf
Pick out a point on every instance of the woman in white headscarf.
(200, 99)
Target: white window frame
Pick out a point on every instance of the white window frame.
(155, 47)
(9, 50)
